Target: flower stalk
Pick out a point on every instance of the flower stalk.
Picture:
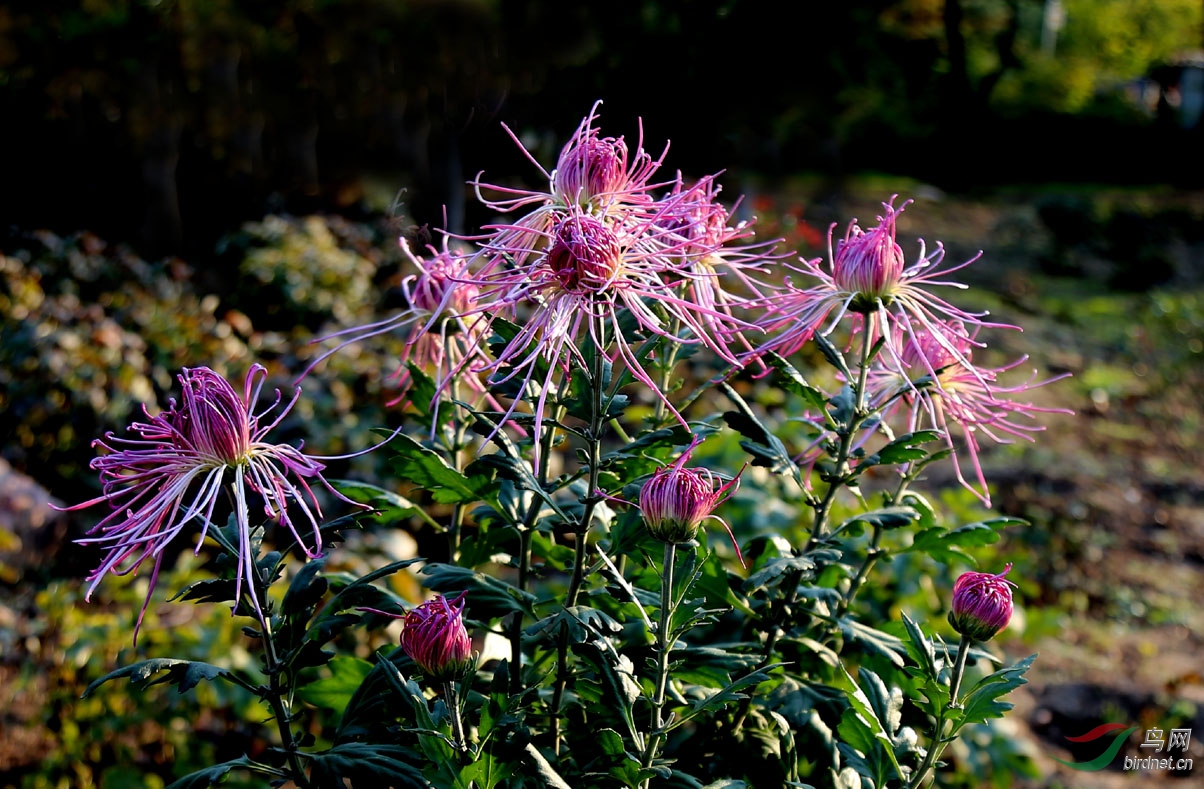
(664, 645)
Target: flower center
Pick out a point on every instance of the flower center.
(585, 255)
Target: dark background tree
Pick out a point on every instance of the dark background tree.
(168, 122)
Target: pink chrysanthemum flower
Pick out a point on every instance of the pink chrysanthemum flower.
(982, 604)
(939, 388)
(719, 255)
(868, 277)
(434, 636)
(175, 471)
(585, 273)
(594, 174)
(439, 339)
(677, 500)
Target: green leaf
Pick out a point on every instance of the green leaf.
(347, 674)
(949, 545)
(884, 518)
(427, 469)
(834, 356)
(981, 703)
(488, 597)
(549, 776)
(185, 674)
(210, 776)
(389, 507)
(921, 648)
(725, 696)
(775, 571)
(873, 640)
(901, 450)
(486, 772)
(793, 381)
(306, 589)
(766, 449)
(211, 590)
(367, 764)
(866, 713)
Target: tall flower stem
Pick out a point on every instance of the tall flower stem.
(524, 560)
(452, 697)
(591, 499)
(664, 645)
(822, 509)
(937, 741)
(658, 418)
(845, 446)
(874, 551)
(277, 694)
(278, 698)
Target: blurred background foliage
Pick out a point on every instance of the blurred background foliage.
(210, 182)
(170, 122)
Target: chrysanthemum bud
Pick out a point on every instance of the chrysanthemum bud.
(869, 265)
(982, 604)
(434, 636)
(590, 167)
(677, 500)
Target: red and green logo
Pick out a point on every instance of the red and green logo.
(1105, 758)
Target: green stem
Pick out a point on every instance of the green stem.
(664, 645)
(278, 699)
(937, 743)
(591, 499)
(874, 552)
(526, 531)
(840, 475)
(452, 697)
(658, 418)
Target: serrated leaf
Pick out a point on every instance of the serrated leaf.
(389, 507)
(347, 674)
(873, 640)
(921, 648)
(488, 597)
(367, 764)
(884, 518)
(865, 711)
(981, 703)
(834, 356)
(727, 695)
(775, 571)
(793, 381)
(211, 590)
(766, 448)
(211, 776)
(185, 674)
(581, 622)
(306, 589)
(427, 469)
(903, 449)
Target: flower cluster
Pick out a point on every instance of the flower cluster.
(603, 243)
(180, 464)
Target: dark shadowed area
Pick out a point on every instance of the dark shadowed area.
(216, 182)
